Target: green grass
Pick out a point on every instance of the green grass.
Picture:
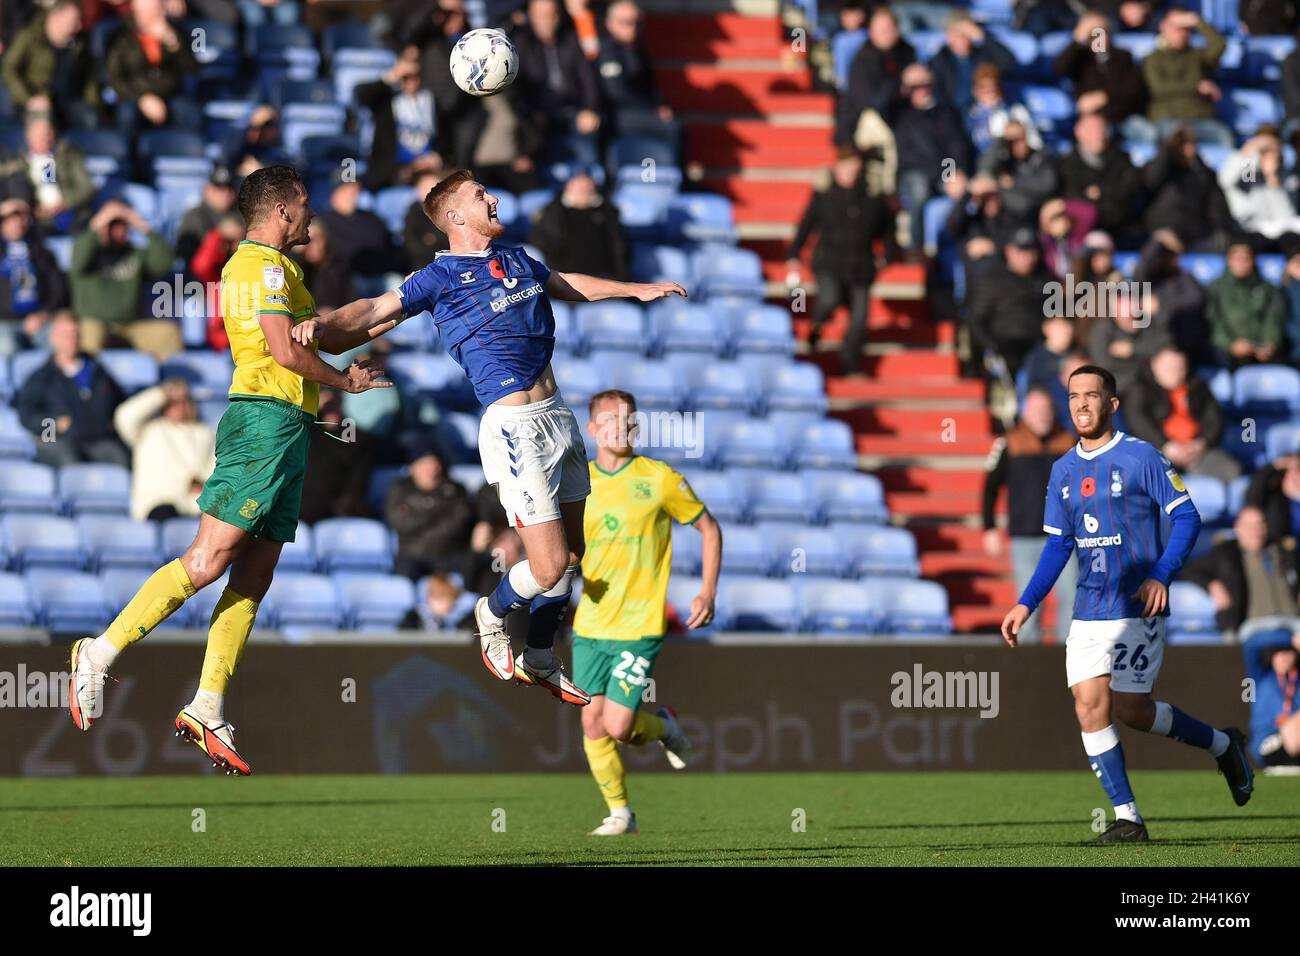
(984, 819)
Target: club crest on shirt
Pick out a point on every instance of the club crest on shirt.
(1116, 483)
(273, 278)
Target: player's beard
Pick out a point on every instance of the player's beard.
(1101, 424)
(493, 229)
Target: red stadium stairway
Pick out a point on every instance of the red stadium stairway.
(758, 133)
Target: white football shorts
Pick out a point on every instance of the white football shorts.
(535, 456)
(1130, 650)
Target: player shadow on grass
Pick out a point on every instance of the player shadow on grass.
(229, 803)
(1045, 823)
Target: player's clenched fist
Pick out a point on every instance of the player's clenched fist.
(364, 375)
(1013, 622)
(649, 291)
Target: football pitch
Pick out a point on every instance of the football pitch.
(918, 819)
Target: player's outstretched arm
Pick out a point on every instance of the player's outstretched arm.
(362, 375)
(351, 325)
(578, 287)
(702, 605)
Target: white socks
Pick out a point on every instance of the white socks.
(209, 705)
(1128, 811)
(102, 652)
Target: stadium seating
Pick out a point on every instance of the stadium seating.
(756, 604)
(69, 602)
(95, 488)
(352, 544)
(116, 541)
(375, 601)
(1191, 615)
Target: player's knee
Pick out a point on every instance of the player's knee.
(593, 722)
(1090, 713)
(205, 565)
(1134, 713)
(547, 574)
(620, 730)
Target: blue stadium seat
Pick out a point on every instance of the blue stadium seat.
(746, 551)
(95, 488)
(700, 217)
(1237, 494)
(1246, 110)
(879, 550)
(680, 326)
(835, 608)
(660, 174)
(781, 496)
(1204, 267)
(118, 541)
(1139, 44)
(1280, 439)
(926, 43)
(37, 540)
(69, 603)
(121, 582)
(1210, 496)
(131, 370)
(269, 39)
(320, 92)
(725, 385)
(348, 35)
(848, 496)
(139, 197)
(635, 150)
(299, 554)
(1266, 389)
(655, 384)
(1220, 382)
(751, 444)
(532, 202)
(210, 411)
(15, 441)
(458, 434)
(934, 216)
(381, 480)
(844, 47)
(469, 477)
(16, 607)
(806, 550)
(297, 603)
(579, 379)
(756, 604)
(350, 71)
(176, 535)
(375, 601)
(722, 270)
(1050, 107)
(1265, 55)
(568, 335)
(435, 375)
(508, 212)
(1191, 615)
(27, 487)
(643, 211)
(392, 205)
(795, 387)
(613, 326)
(762, 327)
(687, 550)
(418, 333)
(328, 149)
(911, 607)
(1271, 266)
(100, 142)
(726, 498)
(1023, 46)
(353, 544)
(153, 143)
(827, 444)
(682, 589)
(207, 373)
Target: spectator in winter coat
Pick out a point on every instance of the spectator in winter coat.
(966, 48)
(1027, 176)
(217, 201)
(48, 67)
(1275, 490)
(1005, 309)
(1105, 78)
(50, 175)
(627, 80)
(340, 460)
(875, 75)
(1185, 196)
(1258, 189)
(558, 84)
(176, 450)
(1124, 346)
(579, 229)
(1253, 582)
(1062, 227)
(1177, 300)
(432, 516)
(1247, 313)
(31, 284)
(147, 62)
(1099, 171)
(1273, 664)
(1179, 77)
(978, 223)
(930, 144)
(988, 112)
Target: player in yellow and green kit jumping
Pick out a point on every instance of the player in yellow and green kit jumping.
(250, 504)
(621, 619)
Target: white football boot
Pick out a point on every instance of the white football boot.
(86, 689)
(616, 824)
(677, 747)
(498, 657)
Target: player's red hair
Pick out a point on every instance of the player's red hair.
(436, 200)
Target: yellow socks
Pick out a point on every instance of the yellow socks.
(607, 768)
(232, 622)
(646, 729)
(166, 590)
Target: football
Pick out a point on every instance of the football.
(484, 62)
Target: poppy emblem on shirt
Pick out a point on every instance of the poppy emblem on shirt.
(494, 268)
(1089, 487)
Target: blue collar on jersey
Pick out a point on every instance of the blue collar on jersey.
(1090, 455)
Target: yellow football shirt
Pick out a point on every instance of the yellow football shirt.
(259, 280)
(628, 526)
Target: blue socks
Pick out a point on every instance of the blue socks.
(1173, 723)
(517, 589)
(547, 610)
(1106, 757)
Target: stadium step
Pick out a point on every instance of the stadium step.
(755, 144)
(715, 36)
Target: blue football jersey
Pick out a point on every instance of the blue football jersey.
(1109, 501)
(492, 314)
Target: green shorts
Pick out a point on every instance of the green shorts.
(619, 670)
(261, 462)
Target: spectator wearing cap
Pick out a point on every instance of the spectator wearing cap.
(1027, 175)
(988, 112)
(50, 175)
(1021, 461)
(848, 224)
(979, 222)
(1253, 581)
(1177, 300)
(1005, 309)
(930, 142)
(1099, 171)
(340, 461)
(1124, 341)
(147, 62)
(1185, 197)
(406, 135)
(1247, 313)
(359, 238)
(48, 66)
(161, 426)
(1259, 190)
(68, 403)
(108, 277)
(578, 229)
(31, 284)
(627, 80)
(1176, 412)
(966, 48)
(557, 84)
(1179, 77)
(433, 517)
(1105, 78)
(875, 75)
(217, 201)
(1062, 227)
